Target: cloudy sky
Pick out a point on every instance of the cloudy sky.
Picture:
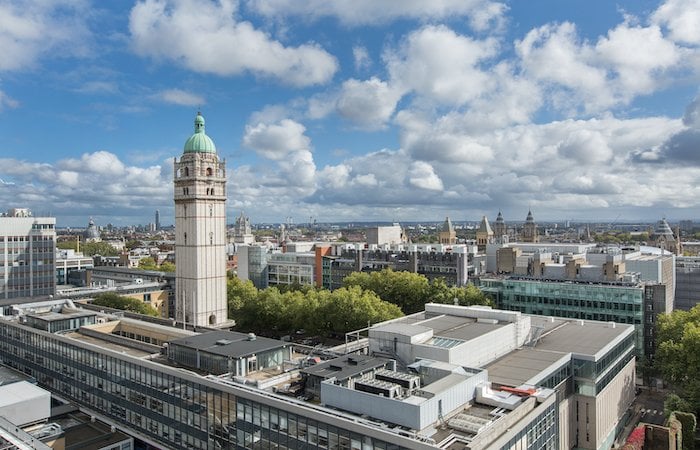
(354, 110)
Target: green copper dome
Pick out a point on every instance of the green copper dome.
(199, 141)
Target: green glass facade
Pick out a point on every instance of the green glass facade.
(588, 301)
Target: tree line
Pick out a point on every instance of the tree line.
(365, 298)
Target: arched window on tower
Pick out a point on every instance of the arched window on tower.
(211, 211)
(211, 238)
(209, 172)
(187, 171)
(185, 236)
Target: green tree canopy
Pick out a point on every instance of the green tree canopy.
(112, 300)
(148, 263)
(678, 354)
(270, 312)
(92, 248)
(411, 291)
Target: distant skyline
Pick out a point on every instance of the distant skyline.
(355, 111)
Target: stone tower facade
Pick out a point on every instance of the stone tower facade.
(484, 235)
(500, 231)
(200, 232)
(530, 229)
(447, 234)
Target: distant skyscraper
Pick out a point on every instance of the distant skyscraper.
(27, 245)
(200, 231)
(157, 220)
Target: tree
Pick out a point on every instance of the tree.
(678, 354)
(112, 300)
(674, 403)
(270, 312)
(148, 263)
(409, 291)
(98, 248)
(237, 293)
(167, 267)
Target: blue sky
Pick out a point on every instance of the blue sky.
(362, 110)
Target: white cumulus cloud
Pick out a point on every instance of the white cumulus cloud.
(481, 13)
(205, 36)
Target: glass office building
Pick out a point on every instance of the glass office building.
(589, 301)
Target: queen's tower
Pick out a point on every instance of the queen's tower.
(200, 232)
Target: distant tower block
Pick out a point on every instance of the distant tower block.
(530, 229)
(200, 232)
(157, 223)
(447, 234)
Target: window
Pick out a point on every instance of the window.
(209, 171)
(187, 171)
(185, 236)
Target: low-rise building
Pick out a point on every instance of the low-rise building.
(448, 377)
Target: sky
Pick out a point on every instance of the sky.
(363, 110)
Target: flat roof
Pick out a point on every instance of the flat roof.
(131, 351)
(521, 365)
(345, 367)
(56, 316)
(20, 392)
(229, 343)
(582, 337)
(9, 376)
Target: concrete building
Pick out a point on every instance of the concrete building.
(157, 220)
(449, 377)
(27, 254)
(200, 231)
(68, 264)
(390, 234)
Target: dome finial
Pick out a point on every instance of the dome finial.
(199, 141)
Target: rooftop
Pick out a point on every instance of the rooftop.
(229, 343)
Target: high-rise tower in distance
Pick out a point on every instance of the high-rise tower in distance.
(200, 232)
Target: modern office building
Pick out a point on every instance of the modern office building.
(69, 265)
(27, 254)
(449, 377)
(200, 231)
(585, 281)
(687, 282)
(157, 221)
(388, 234)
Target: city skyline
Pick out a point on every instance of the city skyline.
(586, 112)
